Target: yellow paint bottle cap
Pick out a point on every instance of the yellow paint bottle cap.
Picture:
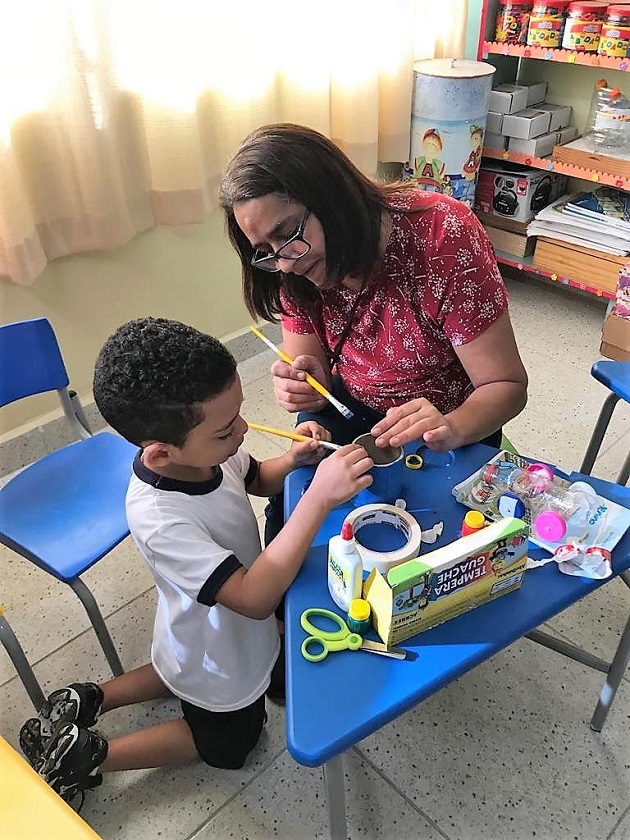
(359, 610)
(475, 519)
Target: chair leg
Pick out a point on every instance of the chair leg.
(615, 675)
(22, 665)
(98, 623)
(598, 433)
(624, 475)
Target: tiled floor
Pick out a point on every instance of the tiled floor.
(504, 753)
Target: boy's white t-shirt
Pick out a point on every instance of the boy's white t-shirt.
(193, 536)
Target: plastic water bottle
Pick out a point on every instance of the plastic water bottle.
(564, 514)
(608, 122)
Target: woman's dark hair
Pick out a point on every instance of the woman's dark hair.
(302, 165)
(153, 375)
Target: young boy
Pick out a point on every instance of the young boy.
(175, 393)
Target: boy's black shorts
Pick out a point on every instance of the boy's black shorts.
(224, 739)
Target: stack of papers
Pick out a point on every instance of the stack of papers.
(599, 220)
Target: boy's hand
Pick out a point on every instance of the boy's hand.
(310, 452)
(341, 476)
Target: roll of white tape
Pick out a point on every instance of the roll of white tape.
(390, 515)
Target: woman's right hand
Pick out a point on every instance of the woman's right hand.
(290, 387)
(341, 476)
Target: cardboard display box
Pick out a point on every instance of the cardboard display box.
(543, 145)
(518, 192)
(616, 338)
(595, 268)
(506, 99)
(495, 141)
(500, 222)
(525, 124)
(494, 122)
(560, 114)
(431, 589)
(536, 93)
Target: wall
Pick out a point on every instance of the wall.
(188, 273)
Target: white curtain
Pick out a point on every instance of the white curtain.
(117, 115)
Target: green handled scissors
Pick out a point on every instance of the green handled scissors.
(341, 639)
(329, 640)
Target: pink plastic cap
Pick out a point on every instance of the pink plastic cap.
(549, 525)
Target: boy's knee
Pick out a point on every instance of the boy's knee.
(225, 739)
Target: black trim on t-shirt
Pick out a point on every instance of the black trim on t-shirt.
(252, 471)
(216, 580)
(160, 482)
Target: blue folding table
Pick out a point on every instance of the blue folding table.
(333, 704)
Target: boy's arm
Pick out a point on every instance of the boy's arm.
(256, 592)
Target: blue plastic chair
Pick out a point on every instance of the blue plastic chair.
(616, 377)
(65, 511)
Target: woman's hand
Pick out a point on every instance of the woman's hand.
(309, 452)
(290, 387)
(416, 420)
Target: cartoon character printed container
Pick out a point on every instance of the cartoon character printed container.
(448, 120)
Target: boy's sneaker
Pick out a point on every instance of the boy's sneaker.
(71, 760)
(78, 703)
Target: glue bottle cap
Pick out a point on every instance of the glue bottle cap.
(346, 531)
(359, 609)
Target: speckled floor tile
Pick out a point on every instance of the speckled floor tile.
(506, 752)
(622, 831)
(46, 613)
(287, 803)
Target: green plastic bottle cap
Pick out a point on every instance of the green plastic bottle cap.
(359, 610)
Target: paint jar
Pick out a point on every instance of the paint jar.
(358, 619)
(388, 470)
(512, 20)
(473, 521)
(614, 40)
(583, 26)
(546, 23)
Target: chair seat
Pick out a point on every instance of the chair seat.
(615, 376)
(66, 511)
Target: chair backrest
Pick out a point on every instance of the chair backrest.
(30, 360)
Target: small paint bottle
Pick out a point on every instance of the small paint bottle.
(473, 521)
(358, 619)
(345, 568)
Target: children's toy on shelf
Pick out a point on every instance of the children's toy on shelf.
(558, 511)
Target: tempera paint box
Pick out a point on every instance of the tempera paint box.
(421, 593)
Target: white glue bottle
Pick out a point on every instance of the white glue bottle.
(345, 568)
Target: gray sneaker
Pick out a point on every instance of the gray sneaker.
(78, 703)
(71, 760)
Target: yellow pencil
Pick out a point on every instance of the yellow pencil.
(341, 408)
(292, 435)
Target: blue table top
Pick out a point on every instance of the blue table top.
(333, 704)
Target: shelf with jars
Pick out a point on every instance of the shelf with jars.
(518, 36)
(586, 59)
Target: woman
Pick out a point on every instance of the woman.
(394, 290)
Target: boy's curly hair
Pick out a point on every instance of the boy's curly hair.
(152, 376)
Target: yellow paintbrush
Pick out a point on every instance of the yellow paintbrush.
(341, 408)
(292, 435)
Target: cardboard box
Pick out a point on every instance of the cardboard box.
(525, 124)
(514, 191)
(536, 93)
(543, 145)
(495, 141)
(429, 590)
(560, 115)
(494, 122)
(616, 338)
(501, 222)
(506, 99)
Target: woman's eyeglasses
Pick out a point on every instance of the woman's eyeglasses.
(293, 249)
